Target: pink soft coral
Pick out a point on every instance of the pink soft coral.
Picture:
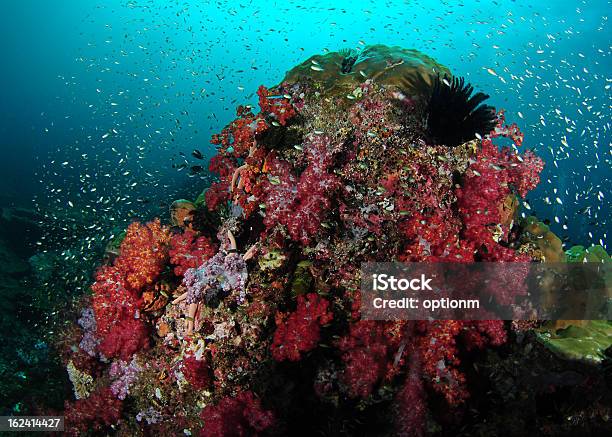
(300, 203)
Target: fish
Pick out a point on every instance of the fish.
(197, 154)
(195, 169)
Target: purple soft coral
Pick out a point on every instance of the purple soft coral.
(89, 341)
(124, 376)
(223, 272)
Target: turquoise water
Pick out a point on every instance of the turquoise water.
(104, 101)
(165, 75)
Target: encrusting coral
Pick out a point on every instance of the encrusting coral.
(339, 167)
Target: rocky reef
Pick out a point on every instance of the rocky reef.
(241, 316)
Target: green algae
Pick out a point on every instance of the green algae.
(302, 278)
(580, 340)
(271, 260)
(590, 254)
(115, 243)
(586, 343)
(200, 201)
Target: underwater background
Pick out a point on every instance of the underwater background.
(105, 102)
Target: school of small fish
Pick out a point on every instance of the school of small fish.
(160, 77)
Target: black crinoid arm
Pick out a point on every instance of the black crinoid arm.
(453, 115)
(349, 57)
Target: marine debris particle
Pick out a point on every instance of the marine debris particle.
(315, 183)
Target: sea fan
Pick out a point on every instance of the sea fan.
(454, 115)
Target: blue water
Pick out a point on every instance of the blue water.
(161, 76)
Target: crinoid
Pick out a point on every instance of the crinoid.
(350, 57)
(454, 115)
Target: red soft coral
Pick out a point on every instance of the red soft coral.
(218, 193)
(501, 129)
(434, 237)
(196, 372)
(95, 413)
(525, 172)
(410, 402)
(281, 108)
(487, 183)
(300, 331)
(124, 339)
(143, 253)
(239, 416)
(187, 250)
(439, 351)
(278, 187)
(112, 301)
(238, 137)
(478, 333)
(369, 355)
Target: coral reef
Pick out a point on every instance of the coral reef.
(338, 168)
